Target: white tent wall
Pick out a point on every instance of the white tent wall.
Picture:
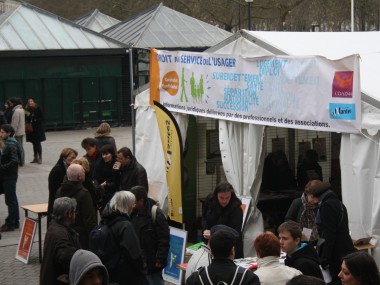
(360, 167)
(149, 149)
(241, 150)
(360, 172)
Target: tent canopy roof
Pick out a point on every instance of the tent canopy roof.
(162, 27)
(96, 21)
(28, 28)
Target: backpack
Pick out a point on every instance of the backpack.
(104, 244)
(204, 276)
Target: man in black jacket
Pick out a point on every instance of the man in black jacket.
(153, 232)
(86, 218)
(10, 159)
(332, 222)
(128, 172)
(299, 255)
(60, 244)
(222, 267)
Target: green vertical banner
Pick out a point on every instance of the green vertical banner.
(172, 146)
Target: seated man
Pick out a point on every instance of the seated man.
(203, 256)
(299, 255)
(222, 267)
(270, 271)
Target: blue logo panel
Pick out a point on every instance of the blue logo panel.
(342, 111)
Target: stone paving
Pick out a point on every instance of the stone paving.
(32, 188)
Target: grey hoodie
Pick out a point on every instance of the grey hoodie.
(82, 262)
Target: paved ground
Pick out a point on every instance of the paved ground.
(32, 188)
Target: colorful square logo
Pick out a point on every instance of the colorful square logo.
(342, 111)
(342, 84)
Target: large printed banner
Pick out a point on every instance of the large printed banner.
(172, 146)
(308, 92)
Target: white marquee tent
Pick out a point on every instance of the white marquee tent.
(241, 144)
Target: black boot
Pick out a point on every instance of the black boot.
(35, 160)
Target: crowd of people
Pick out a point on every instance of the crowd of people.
(110, 190)
(315, 239)
(107, 188)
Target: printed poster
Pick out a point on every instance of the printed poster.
(305, 92)
(176, 255)
(26, 240)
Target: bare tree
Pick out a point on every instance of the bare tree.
(231, 15)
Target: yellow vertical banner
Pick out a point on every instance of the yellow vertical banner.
(172, 146)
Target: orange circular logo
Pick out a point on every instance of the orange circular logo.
(170, 82)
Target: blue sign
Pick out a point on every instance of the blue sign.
(342, 111)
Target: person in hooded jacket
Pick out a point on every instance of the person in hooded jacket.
(131, 268)
(86, 218)
(299, 255)
(87, 269)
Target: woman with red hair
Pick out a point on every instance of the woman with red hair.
(270, 271)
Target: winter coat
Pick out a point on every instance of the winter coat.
(55, 179)
(223, 270)
(8, 113)
(9, 160)
(131, 175)
(131, 268)
(36, 117)
(154, 237)
(18, 120)
(103, 172)
(60, 244)
(101, 141)
(271, 272)
(3, 120)
(86, 218)
(306, 260)
(332, 222)
(231, 215)
(92, 160)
